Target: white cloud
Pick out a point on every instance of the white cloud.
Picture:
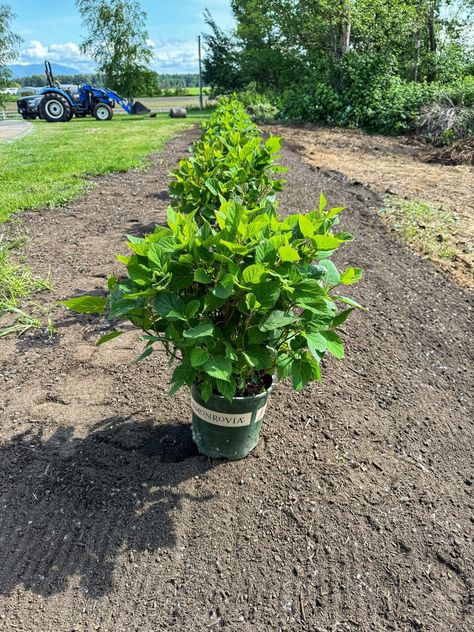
(68, 54)
(170, 55)
(174, 55)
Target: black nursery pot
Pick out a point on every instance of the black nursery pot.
(224, 429)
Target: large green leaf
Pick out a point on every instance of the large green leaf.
(201, 276)
(227, 388)
(183, 374)
(110, 336)
(199, 356)
(332, 275)
(265, 252)
(334, 344)
(253, 274)
(167, 304)
(317, 344)
(276, 320)
(306, 226)
(203, 330)
(219, 367)
(288, 253)
(301, 373)
(351, 275)
(257, 357)
(87, 304)
(140, 274)
(326, 242)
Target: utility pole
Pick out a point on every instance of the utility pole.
(200, 73)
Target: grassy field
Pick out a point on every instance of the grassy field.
(49, 167)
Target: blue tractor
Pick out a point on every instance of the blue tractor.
(56, 103)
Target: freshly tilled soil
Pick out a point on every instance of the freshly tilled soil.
(354, 513)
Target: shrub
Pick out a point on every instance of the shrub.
(237, 302)
(236, 295)
(230, 160)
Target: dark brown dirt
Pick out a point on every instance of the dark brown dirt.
(353, 514)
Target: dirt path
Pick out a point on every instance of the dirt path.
(396, 167)
(353, 514)
(10, 130)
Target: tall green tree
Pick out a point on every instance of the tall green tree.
(9, 42)
(222, 58)
(117, 40)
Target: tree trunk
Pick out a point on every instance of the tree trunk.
(345, 28)
(432, 43)
(416, 63)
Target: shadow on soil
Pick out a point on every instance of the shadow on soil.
(69, 505)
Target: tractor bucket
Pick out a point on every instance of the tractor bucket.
(139, 108)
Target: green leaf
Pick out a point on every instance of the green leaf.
(265, 252)
(167, 303)
(201, 276)
(334, 344)
(341, 317)
(351, 275)
(331, 275)
(148, 351)
(221, 291)
(306, 226)
(192, 307)
(183, 374)
(317, 344)
(350, 301)
(203, 330)
(206, 390)
(322, 202)
(253, 274)
(251, 302)
(199, 356)
(335, 211)
(140, 274)
(219, 367)
(267, 293)
(87, 304)
(211, 186)
(276, 320)
(257, 357)
(284, 365)
(301, 373)
(110, 336)
(288, 253)
(227, 388)
(325, 242)
(273, 144)
(182, 276)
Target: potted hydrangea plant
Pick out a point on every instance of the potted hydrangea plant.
(236, 295)
(234, 305)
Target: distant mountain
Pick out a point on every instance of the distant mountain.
(27, 70)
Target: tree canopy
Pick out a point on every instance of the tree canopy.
(117, 40)
(9, 42)
(276, 43)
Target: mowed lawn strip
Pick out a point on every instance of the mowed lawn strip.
(50, 166)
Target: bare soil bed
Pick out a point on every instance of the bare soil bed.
(400, 167)
(353, 514)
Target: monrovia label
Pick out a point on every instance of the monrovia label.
(232, 420)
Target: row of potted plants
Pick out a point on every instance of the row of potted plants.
(236, 295)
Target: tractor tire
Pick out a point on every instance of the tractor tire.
(102, 112)
(54, 108)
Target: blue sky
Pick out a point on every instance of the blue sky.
(52, 29)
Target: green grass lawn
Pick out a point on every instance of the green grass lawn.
(51, 165)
